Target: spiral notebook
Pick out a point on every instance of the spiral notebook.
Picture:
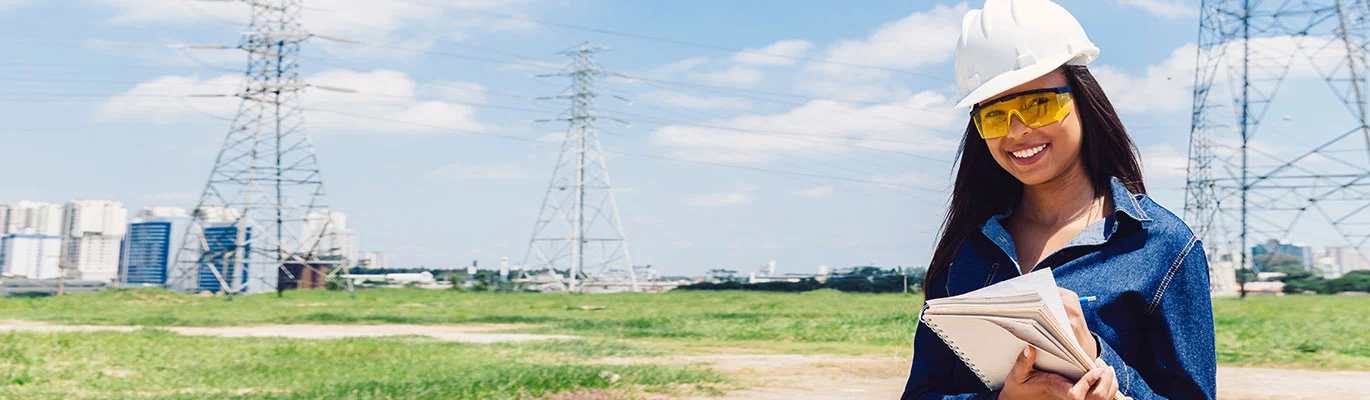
(987, 328)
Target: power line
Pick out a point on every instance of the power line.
(670, 40)
(732, 91)
(643, 155)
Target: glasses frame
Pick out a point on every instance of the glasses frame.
(974, 112)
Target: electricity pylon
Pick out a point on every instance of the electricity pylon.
(246, 231)
(578, 228)
(1239, 192)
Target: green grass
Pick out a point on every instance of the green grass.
(153, 363)
(1321, 332)
(838, 321)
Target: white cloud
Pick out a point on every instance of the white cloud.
(718, 199)
(860, 70)
(552, 138)
(911, 179)
(737, 75)
(1164, 87)
(161, 101)
(814, 128)
(922, 38)
(383, 97)
(1163, 163)
(686, 65)
(1168, 86)
(534, 65)
(1163, 8)
(781, 53)
(817, 192)
(681, 100)
(361, 20)
(480, 172)
(8, 4)
(466, 92)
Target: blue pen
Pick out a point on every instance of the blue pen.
(1086, 299)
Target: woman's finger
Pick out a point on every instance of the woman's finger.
(1081, 388)
(1105, 387)
(1023, 365)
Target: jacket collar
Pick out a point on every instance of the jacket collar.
(1125, 205)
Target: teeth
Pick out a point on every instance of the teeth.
(1025, 153)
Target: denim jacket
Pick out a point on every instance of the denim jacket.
(1153, 317)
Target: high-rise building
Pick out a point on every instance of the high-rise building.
(326, 234)
(30, 255)
(1260, 253)
(44, 218)
(1222, 278)
(1347, 259)
(214, 263)
(30, 245)
(92, 232)
(4, 216)
(217, 213)
(150, 246)
(372, 260)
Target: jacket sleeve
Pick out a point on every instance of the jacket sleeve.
(1178, 325)
(931, 375)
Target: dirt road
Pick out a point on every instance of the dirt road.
(455, 333)
(773, 376)
(801, 377)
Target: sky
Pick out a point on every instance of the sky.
(810, 133)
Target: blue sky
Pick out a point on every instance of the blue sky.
(878, 76)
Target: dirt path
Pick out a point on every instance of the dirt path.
(455, 333)
(801, 377)
(770, 376)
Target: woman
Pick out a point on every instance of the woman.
(1048, 178)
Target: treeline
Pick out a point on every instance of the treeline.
(859, 280)
(1306, 281)
(1298, 278)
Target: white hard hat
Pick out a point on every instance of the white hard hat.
(1011, 42)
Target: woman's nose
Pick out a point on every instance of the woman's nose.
(1016, 126)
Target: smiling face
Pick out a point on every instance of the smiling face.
(1036, 156)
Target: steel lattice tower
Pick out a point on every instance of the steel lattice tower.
(1239, 192)
(578, 228)
(248, 226)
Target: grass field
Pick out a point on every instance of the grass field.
(1288, 331)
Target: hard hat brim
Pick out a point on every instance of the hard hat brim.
(1012, 79)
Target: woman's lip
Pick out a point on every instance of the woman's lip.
(1026, 146)
(1033, 159)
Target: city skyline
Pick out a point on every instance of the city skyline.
(802, 141)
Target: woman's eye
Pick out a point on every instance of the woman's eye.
(1036, 102)
(993, 114)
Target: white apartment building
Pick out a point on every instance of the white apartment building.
(44, 218)
(30, 245)
(92, 233)
(372, 260)
(326, 233)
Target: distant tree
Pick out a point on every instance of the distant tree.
(1275, 262)
(1354, 281)
(722, 275)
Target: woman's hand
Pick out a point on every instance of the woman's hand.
(1077, 322)
(1025, 382)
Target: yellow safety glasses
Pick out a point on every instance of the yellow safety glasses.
(1036, 108)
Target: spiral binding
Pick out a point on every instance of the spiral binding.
(955, 349)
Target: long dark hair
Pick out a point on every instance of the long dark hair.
(983, 188)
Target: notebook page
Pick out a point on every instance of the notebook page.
(987, 348)
(1040, 281)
